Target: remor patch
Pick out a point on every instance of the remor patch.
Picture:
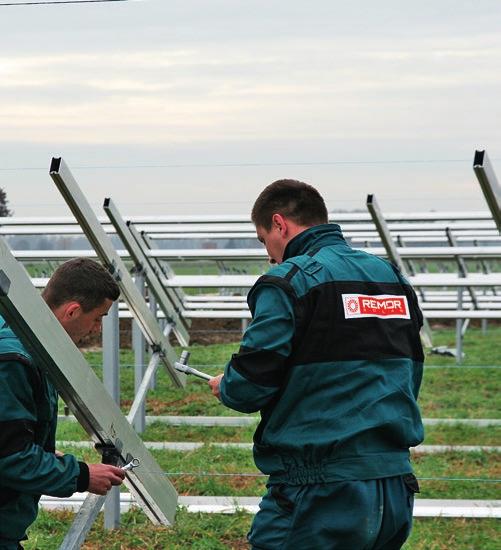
(384, 306)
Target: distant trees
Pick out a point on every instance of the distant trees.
(4, 210)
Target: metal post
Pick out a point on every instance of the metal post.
(485, 269)
(464, 326)
(111, 378)
(462, 269)
(459, 329)
(154, 311)
(245, 324)
(139, 347)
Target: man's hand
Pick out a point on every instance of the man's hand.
(214, 385)
(102, 477)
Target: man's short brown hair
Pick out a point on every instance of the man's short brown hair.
(80, 280)
(293, 199)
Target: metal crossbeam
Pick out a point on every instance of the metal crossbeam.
(245, 218)
(82, 211)
(246, 281)
(258, 254)
(157, 232)
(165, 298)
(488, 182)
(144, 385)
(55, 353)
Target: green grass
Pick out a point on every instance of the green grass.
(160, 432)
(479, 349)
(460, 393)
(222, 531)
(196, 472)
(454, 534)
(71, 431)
(191, 531)
(462, 434)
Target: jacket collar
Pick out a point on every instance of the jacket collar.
(313, 238)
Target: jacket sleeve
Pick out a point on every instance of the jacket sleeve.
(255, 374)
(25, 466)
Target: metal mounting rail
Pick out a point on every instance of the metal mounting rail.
(488, 182)
(82, 211)
(165, 297)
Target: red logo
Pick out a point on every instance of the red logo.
(352, 305)
(384, 306)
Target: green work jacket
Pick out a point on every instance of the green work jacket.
(28, 465)
(333, 361)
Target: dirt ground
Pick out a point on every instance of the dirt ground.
(215, 331)
(202, 331)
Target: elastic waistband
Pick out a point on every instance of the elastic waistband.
(355, 468)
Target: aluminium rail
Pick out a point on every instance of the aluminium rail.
(421, 252)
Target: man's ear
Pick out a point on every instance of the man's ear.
(280, 223)
(70, 310)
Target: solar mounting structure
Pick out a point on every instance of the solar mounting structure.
(165, 297)
(87, 219)
(56, 354)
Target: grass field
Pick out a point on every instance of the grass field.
(468, 392)
(221, 532)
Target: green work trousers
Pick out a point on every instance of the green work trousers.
(343, 515)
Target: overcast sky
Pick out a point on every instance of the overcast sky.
(194, 106)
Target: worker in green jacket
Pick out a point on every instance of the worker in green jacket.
(333, 361)
(79, 293)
